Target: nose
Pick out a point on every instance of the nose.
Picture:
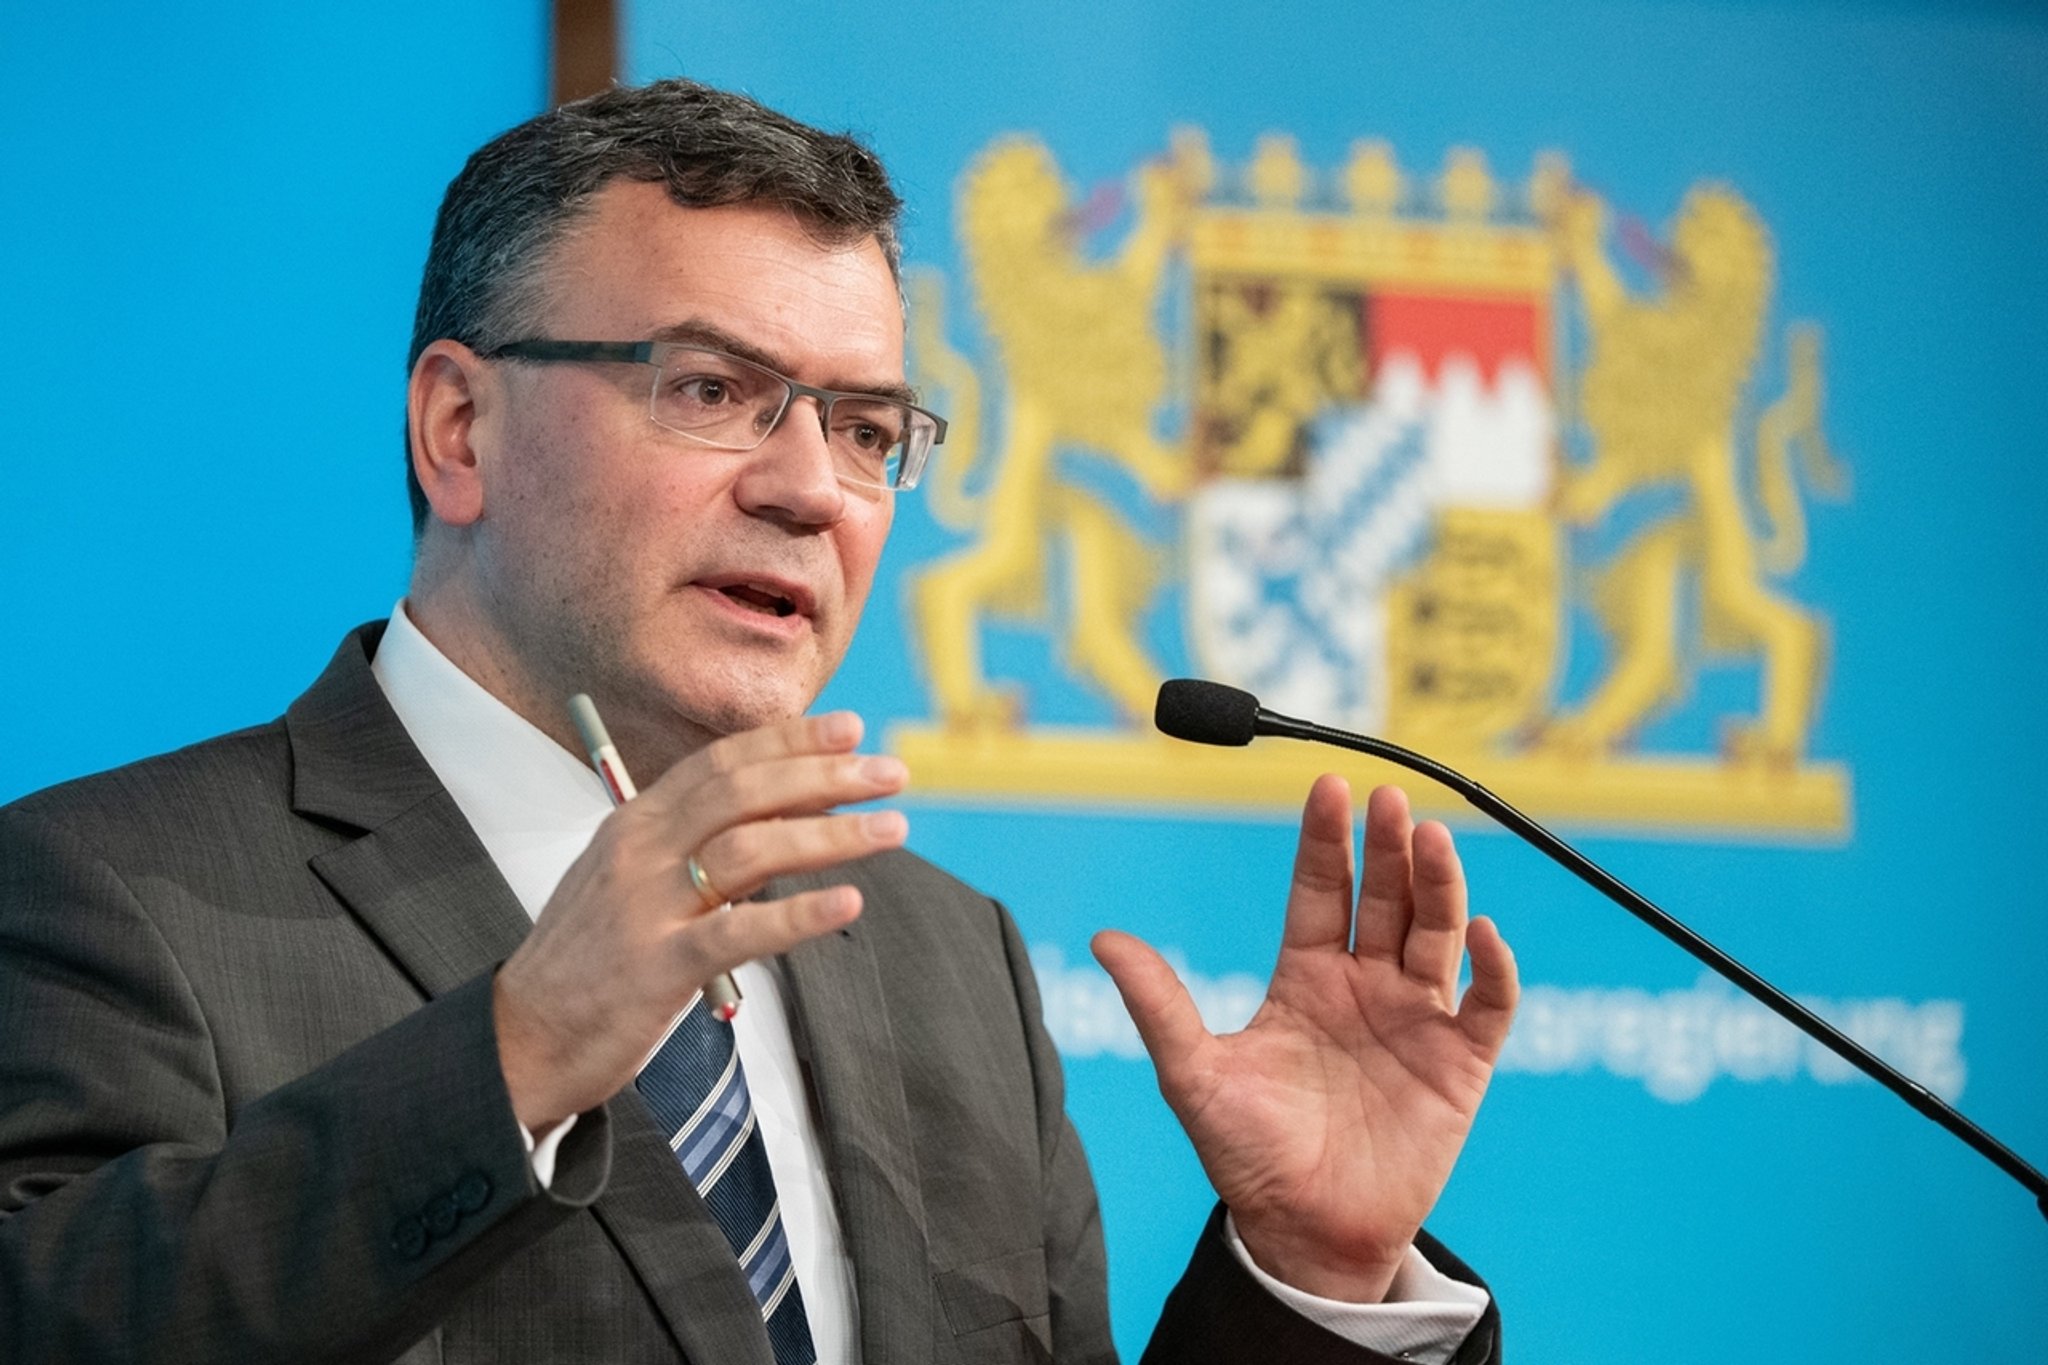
(791, 477)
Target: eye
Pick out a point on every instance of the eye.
(715, 396)
(867, 427)
(702, 390)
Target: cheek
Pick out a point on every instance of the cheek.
(860, 550)
(574, 527)
(544, 470)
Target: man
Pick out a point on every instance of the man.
(289, 1074)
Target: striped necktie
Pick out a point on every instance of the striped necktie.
(698, 1092)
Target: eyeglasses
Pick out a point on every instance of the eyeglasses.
(726, 403)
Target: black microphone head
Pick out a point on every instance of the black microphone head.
(1206, 712)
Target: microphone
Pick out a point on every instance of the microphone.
(1205, 712)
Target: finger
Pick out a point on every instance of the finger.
(1319, 899)
(750, 931)
(835, 732)
(1384, 904)
(806, 784)
(746, 857)
(1489, 1004)
(1436, 927)
(1159, 1005)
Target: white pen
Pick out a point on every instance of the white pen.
(720, 991)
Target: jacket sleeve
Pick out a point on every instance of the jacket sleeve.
(332, 1219)
(1217, 1314)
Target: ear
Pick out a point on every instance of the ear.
(450, 393)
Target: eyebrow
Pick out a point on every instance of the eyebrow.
(696, 332)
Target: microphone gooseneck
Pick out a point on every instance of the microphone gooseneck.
(1212, 713)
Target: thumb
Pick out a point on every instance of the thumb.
(1157, 1001)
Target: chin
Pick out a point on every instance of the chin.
(735, 702)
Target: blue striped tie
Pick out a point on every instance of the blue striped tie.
(698, 1092)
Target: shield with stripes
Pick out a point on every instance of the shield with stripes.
(1373, 542)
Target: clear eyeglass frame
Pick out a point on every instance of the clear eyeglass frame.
(911, 431)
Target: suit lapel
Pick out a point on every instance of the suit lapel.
(415, 875)
(840, 1019)
(422, 885)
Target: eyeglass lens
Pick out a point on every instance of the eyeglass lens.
(724, 401)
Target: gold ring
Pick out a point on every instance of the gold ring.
(706, 888)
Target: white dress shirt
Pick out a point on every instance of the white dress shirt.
(534, 805)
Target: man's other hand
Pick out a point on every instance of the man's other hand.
(626, 938)
(1330, 1124)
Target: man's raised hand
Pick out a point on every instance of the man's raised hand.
(1330, 1124)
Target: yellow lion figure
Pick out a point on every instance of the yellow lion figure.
(1083, 368)
(1660, 398)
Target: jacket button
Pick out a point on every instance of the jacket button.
(472, 1192)
(409, 1238)
(441, 1214)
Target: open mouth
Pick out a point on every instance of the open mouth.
(763, 600)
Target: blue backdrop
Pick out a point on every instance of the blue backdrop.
(215, 225)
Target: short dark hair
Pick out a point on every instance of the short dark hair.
(520, 192)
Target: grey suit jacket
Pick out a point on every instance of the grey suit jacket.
(250, 1106)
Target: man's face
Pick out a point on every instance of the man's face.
(617, 557)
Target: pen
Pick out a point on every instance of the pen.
(721, 991)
